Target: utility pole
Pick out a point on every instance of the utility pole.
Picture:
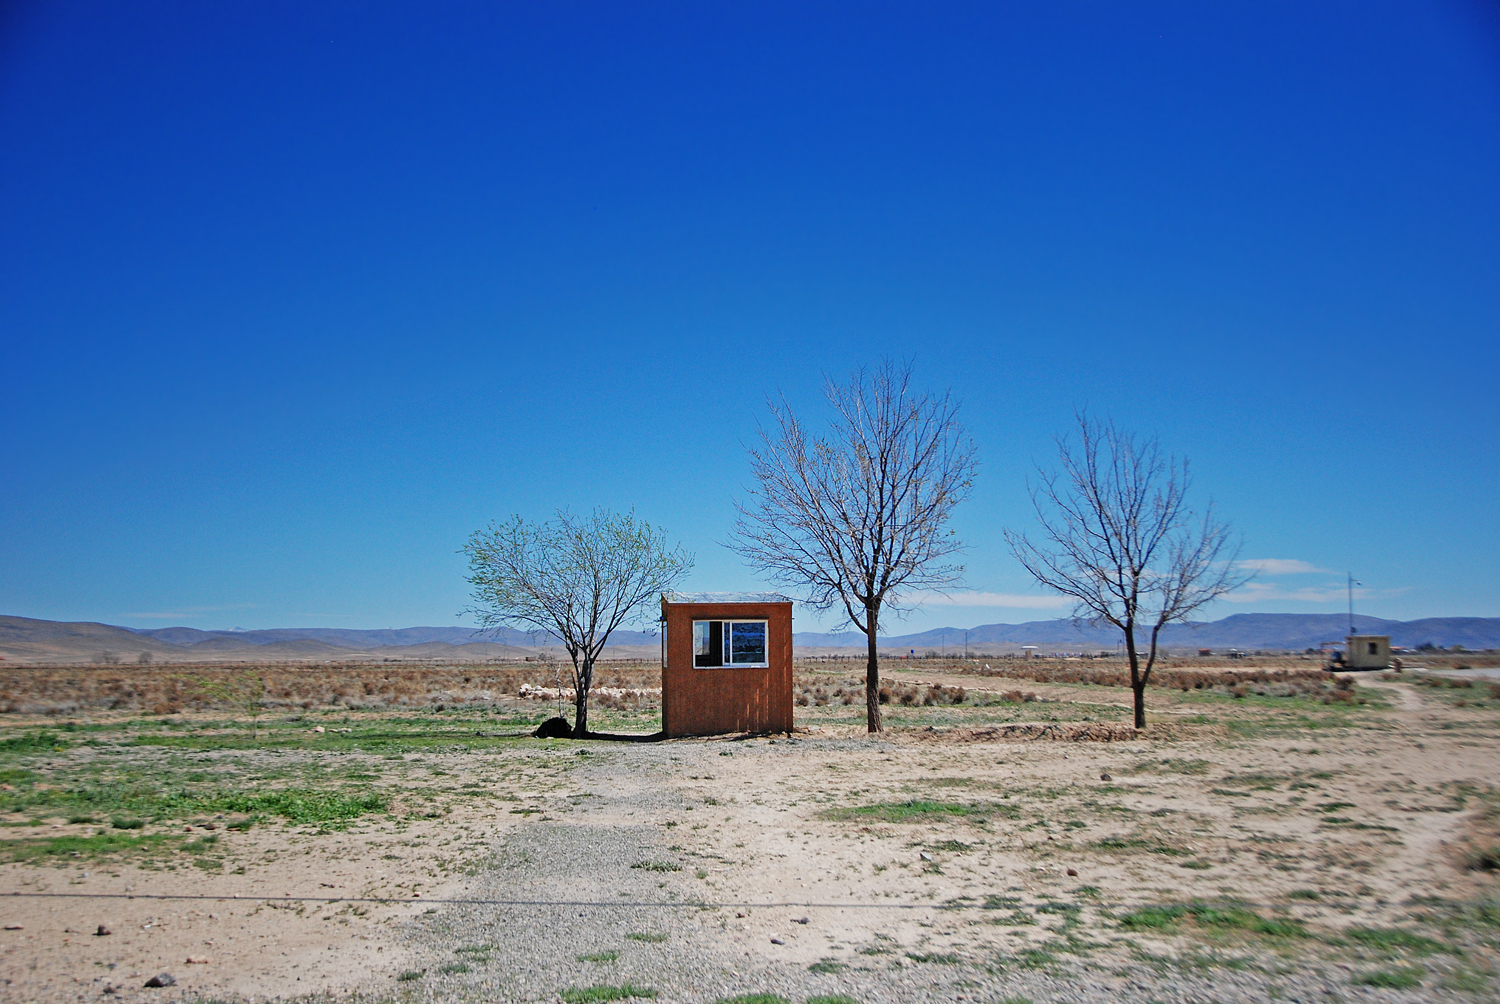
(966, 644)
(1352, 584)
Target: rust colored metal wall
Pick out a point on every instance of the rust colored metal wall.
(706, 702)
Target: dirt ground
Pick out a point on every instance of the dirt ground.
(1338, 837)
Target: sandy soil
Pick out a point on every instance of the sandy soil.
(769, 832)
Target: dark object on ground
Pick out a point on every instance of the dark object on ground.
(556, 727)
(162, 980)
(1105, 777)
(777, 941)
(800, 920)
(102, 931)
(1072, 873)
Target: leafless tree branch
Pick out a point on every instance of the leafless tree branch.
(1119, 539)
(857, 519)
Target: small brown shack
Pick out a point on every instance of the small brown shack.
(726, 663)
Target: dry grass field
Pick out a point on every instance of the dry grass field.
(392, 832)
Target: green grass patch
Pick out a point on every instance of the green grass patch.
(1211, 916)
(1392, 979)
(1152, 918)
(59, 848)
(1151, 845)
(937, 958)
(657, 866)
(124, 823)
(920, 810)
(827, 966)
(648, 936)
(994, 902)
(609, 956)
(1392, 939)
(300, 805)
(604, 992)
(410, 975)
(156, 792)
(1035, 958)
(41, 741)
(453, 967)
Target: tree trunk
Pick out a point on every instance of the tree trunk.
(872, 674)
(1137, 681)
(581, 700)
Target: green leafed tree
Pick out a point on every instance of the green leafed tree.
(1119, 539)
(575, 578)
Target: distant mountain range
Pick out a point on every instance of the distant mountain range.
(1277, 632)
(26, 640)
(363, 640)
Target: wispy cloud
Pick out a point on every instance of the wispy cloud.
(1257, 592)
(188, 612)
(977, 599)
(1281, 566)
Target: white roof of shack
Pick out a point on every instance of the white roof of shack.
(676, 597)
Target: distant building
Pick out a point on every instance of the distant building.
(1205, 651)
(1367, 651)
(1028, 651)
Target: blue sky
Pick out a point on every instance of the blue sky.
(294, 296)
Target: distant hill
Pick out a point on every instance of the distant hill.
(26, 640)
(1277, 632)
(379, 638)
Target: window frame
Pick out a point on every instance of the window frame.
(726, 642)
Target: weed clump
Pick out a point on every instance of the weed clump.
(917, 810)
(1210, 915)
(1392, 979)
(1389, 939)
(603, 992)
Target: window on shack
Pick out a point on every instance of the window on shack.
(721, 644)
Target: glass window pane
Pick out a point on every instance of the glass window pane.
(708, 643)
(747, 642)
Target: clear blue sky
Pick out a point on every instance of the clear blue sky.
(294, 296)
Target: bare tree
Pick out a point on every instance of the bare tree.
(574, 578)
(1121, 542)
(858, 519)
